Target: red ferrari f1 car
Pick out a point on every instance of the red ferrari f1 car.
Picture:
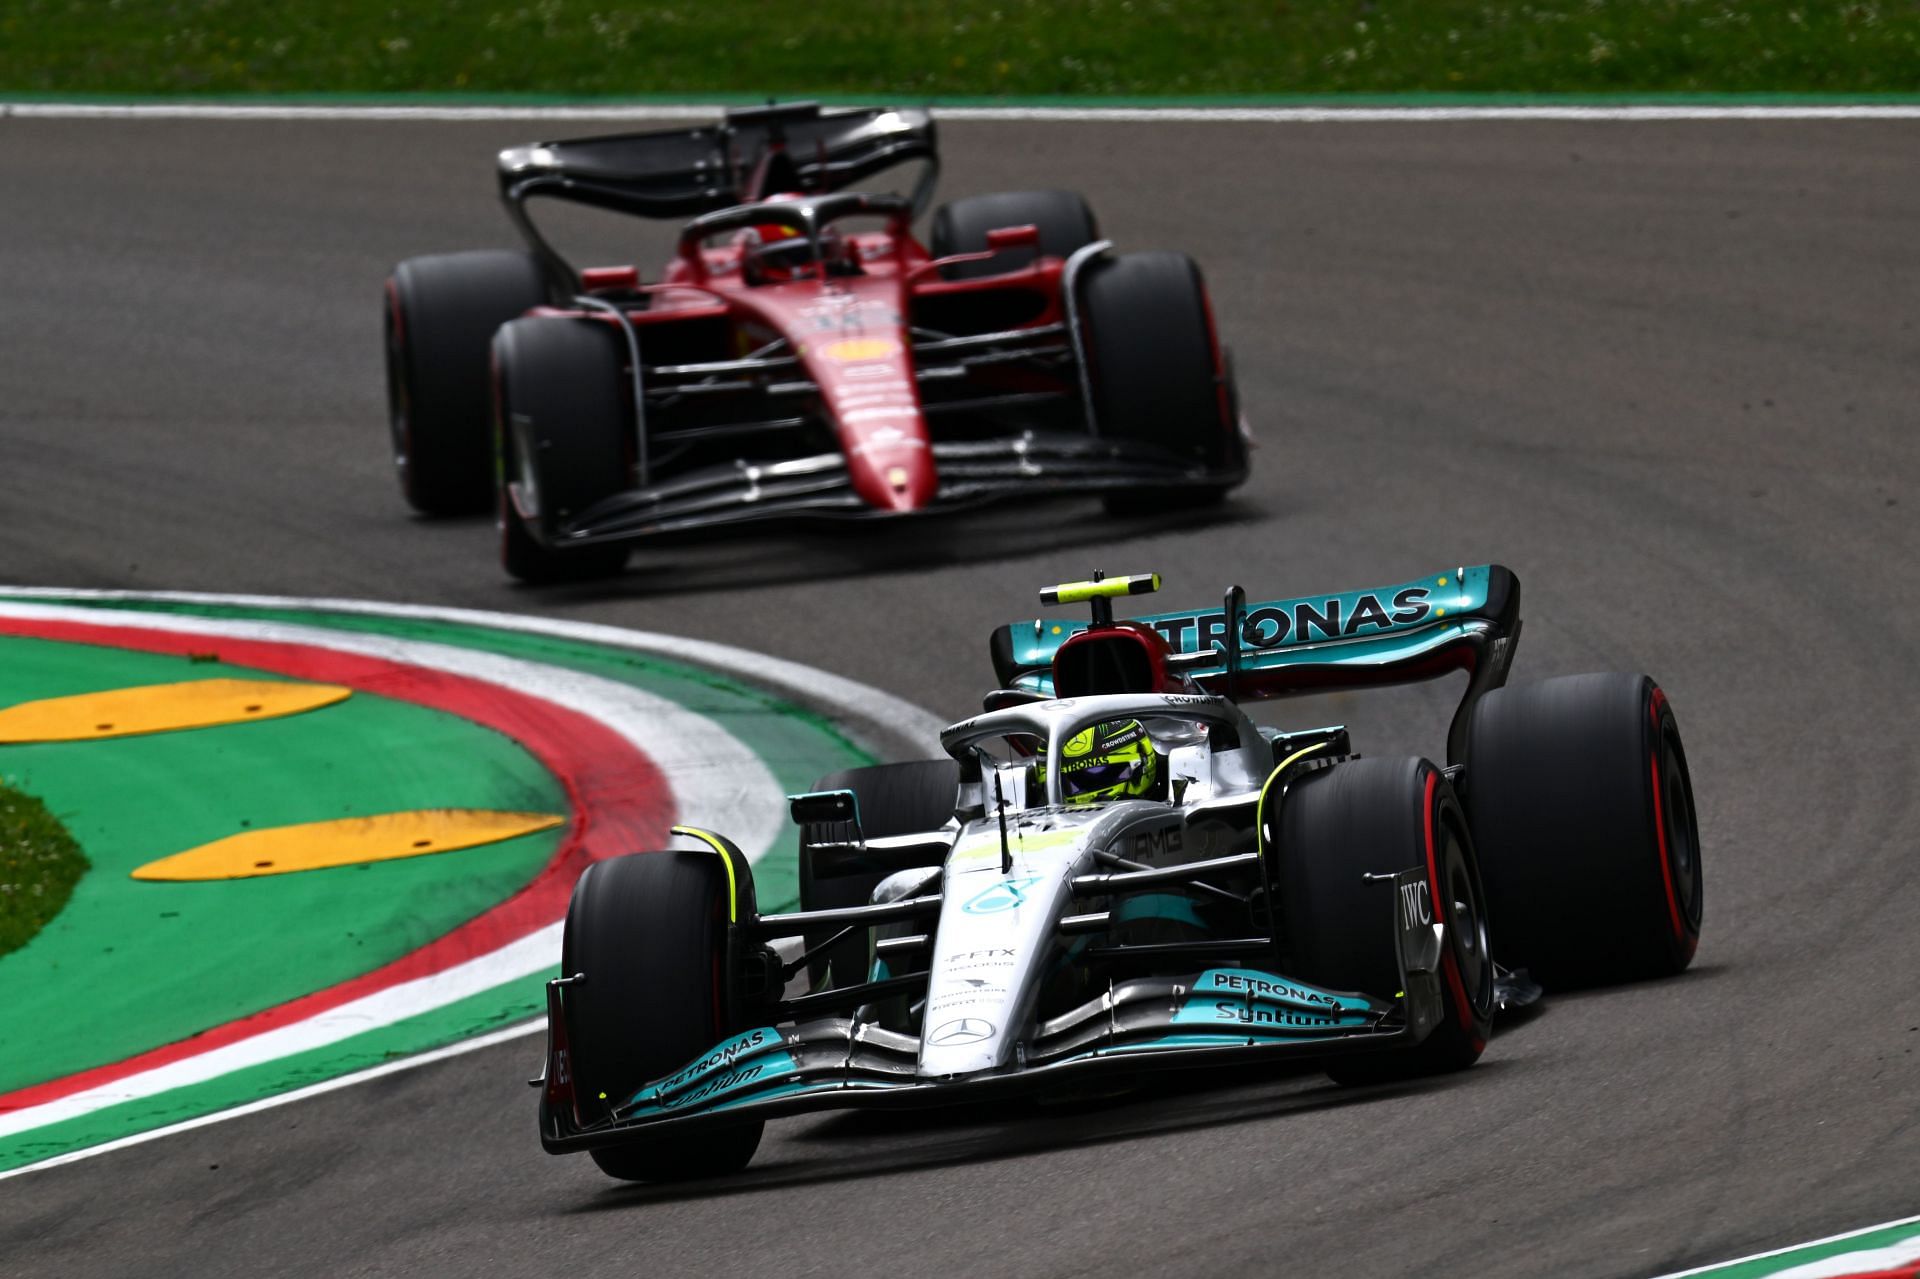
(802, 353)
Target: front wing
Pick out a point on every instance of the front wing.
(971, 473)
(1222, 1016)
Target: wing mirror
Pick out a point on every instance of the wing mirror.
(820, 807)
(1026, 236)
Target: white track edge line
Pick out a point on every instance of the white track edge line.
(707, 770)
(516, 961)
(488, 1040)
(881, 713)
(709, 764)
(1797, 1247)
(1625, 112)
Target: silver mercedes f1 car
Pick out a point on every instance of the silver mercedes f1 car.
(1114, 870)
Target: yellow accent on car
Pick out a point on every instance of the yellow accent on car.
(986, 847)
(853, 350)
(1105, 588)
(719, 846)
(345, 841)
(161, 708)
(1260, 812)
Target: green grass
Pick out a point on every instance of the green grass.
(39, 865)
(916, 50)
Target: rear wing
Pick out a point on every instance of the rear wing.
(749, 155)
(1462, 619)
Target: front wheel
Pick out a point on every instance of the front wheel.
(647, 930)
(1372, 817)
(562, 423)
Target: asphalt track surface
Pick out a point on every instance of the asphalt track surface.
(1665, 371)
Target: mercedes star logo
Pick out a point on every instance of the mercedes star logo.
(964, 1030)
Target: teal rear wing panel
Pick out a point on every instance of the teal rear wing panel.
(1461, 619)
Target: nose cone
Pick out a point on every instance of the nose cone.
(865, 373)
(902, 479)
(884, 436)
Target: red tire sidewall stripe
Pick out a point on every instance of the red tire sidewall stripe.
(1687, 940)
(399, 316)
(1219, 361)
(503, 506)
(620, 801)
(400, 339)
(1449, 965)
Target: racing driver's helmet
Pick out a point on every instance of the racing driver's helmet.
(1110, 761)
(774, 254)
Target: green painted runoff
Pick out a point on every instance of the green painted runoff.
(797, 746)
(129, 966)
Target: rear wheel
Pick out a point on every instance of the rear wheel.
(1377, 816)
(1063, 219)
(648, 930)
(1583, 812)
(563, 419)
(894, 799)
(441, 312)
(1157, 373)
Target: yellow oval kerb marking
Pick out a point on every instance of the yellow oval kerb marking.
(347, 841)
(161, 708)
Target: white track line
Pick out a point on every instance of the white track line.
(535, 953)
(714, 779)
(1718, 1266)
(1625, 113)
(1430, 115)
(1868, 1261)
(875, 713)
(487, 1040)
(718, 771)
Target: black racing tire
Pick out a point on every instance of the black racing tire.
(441, 313)
(648, 930)
(1583, 812)
(894, 799)
(1378, 816)
(1064, 221)
(1158, 374)
(563, 422)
